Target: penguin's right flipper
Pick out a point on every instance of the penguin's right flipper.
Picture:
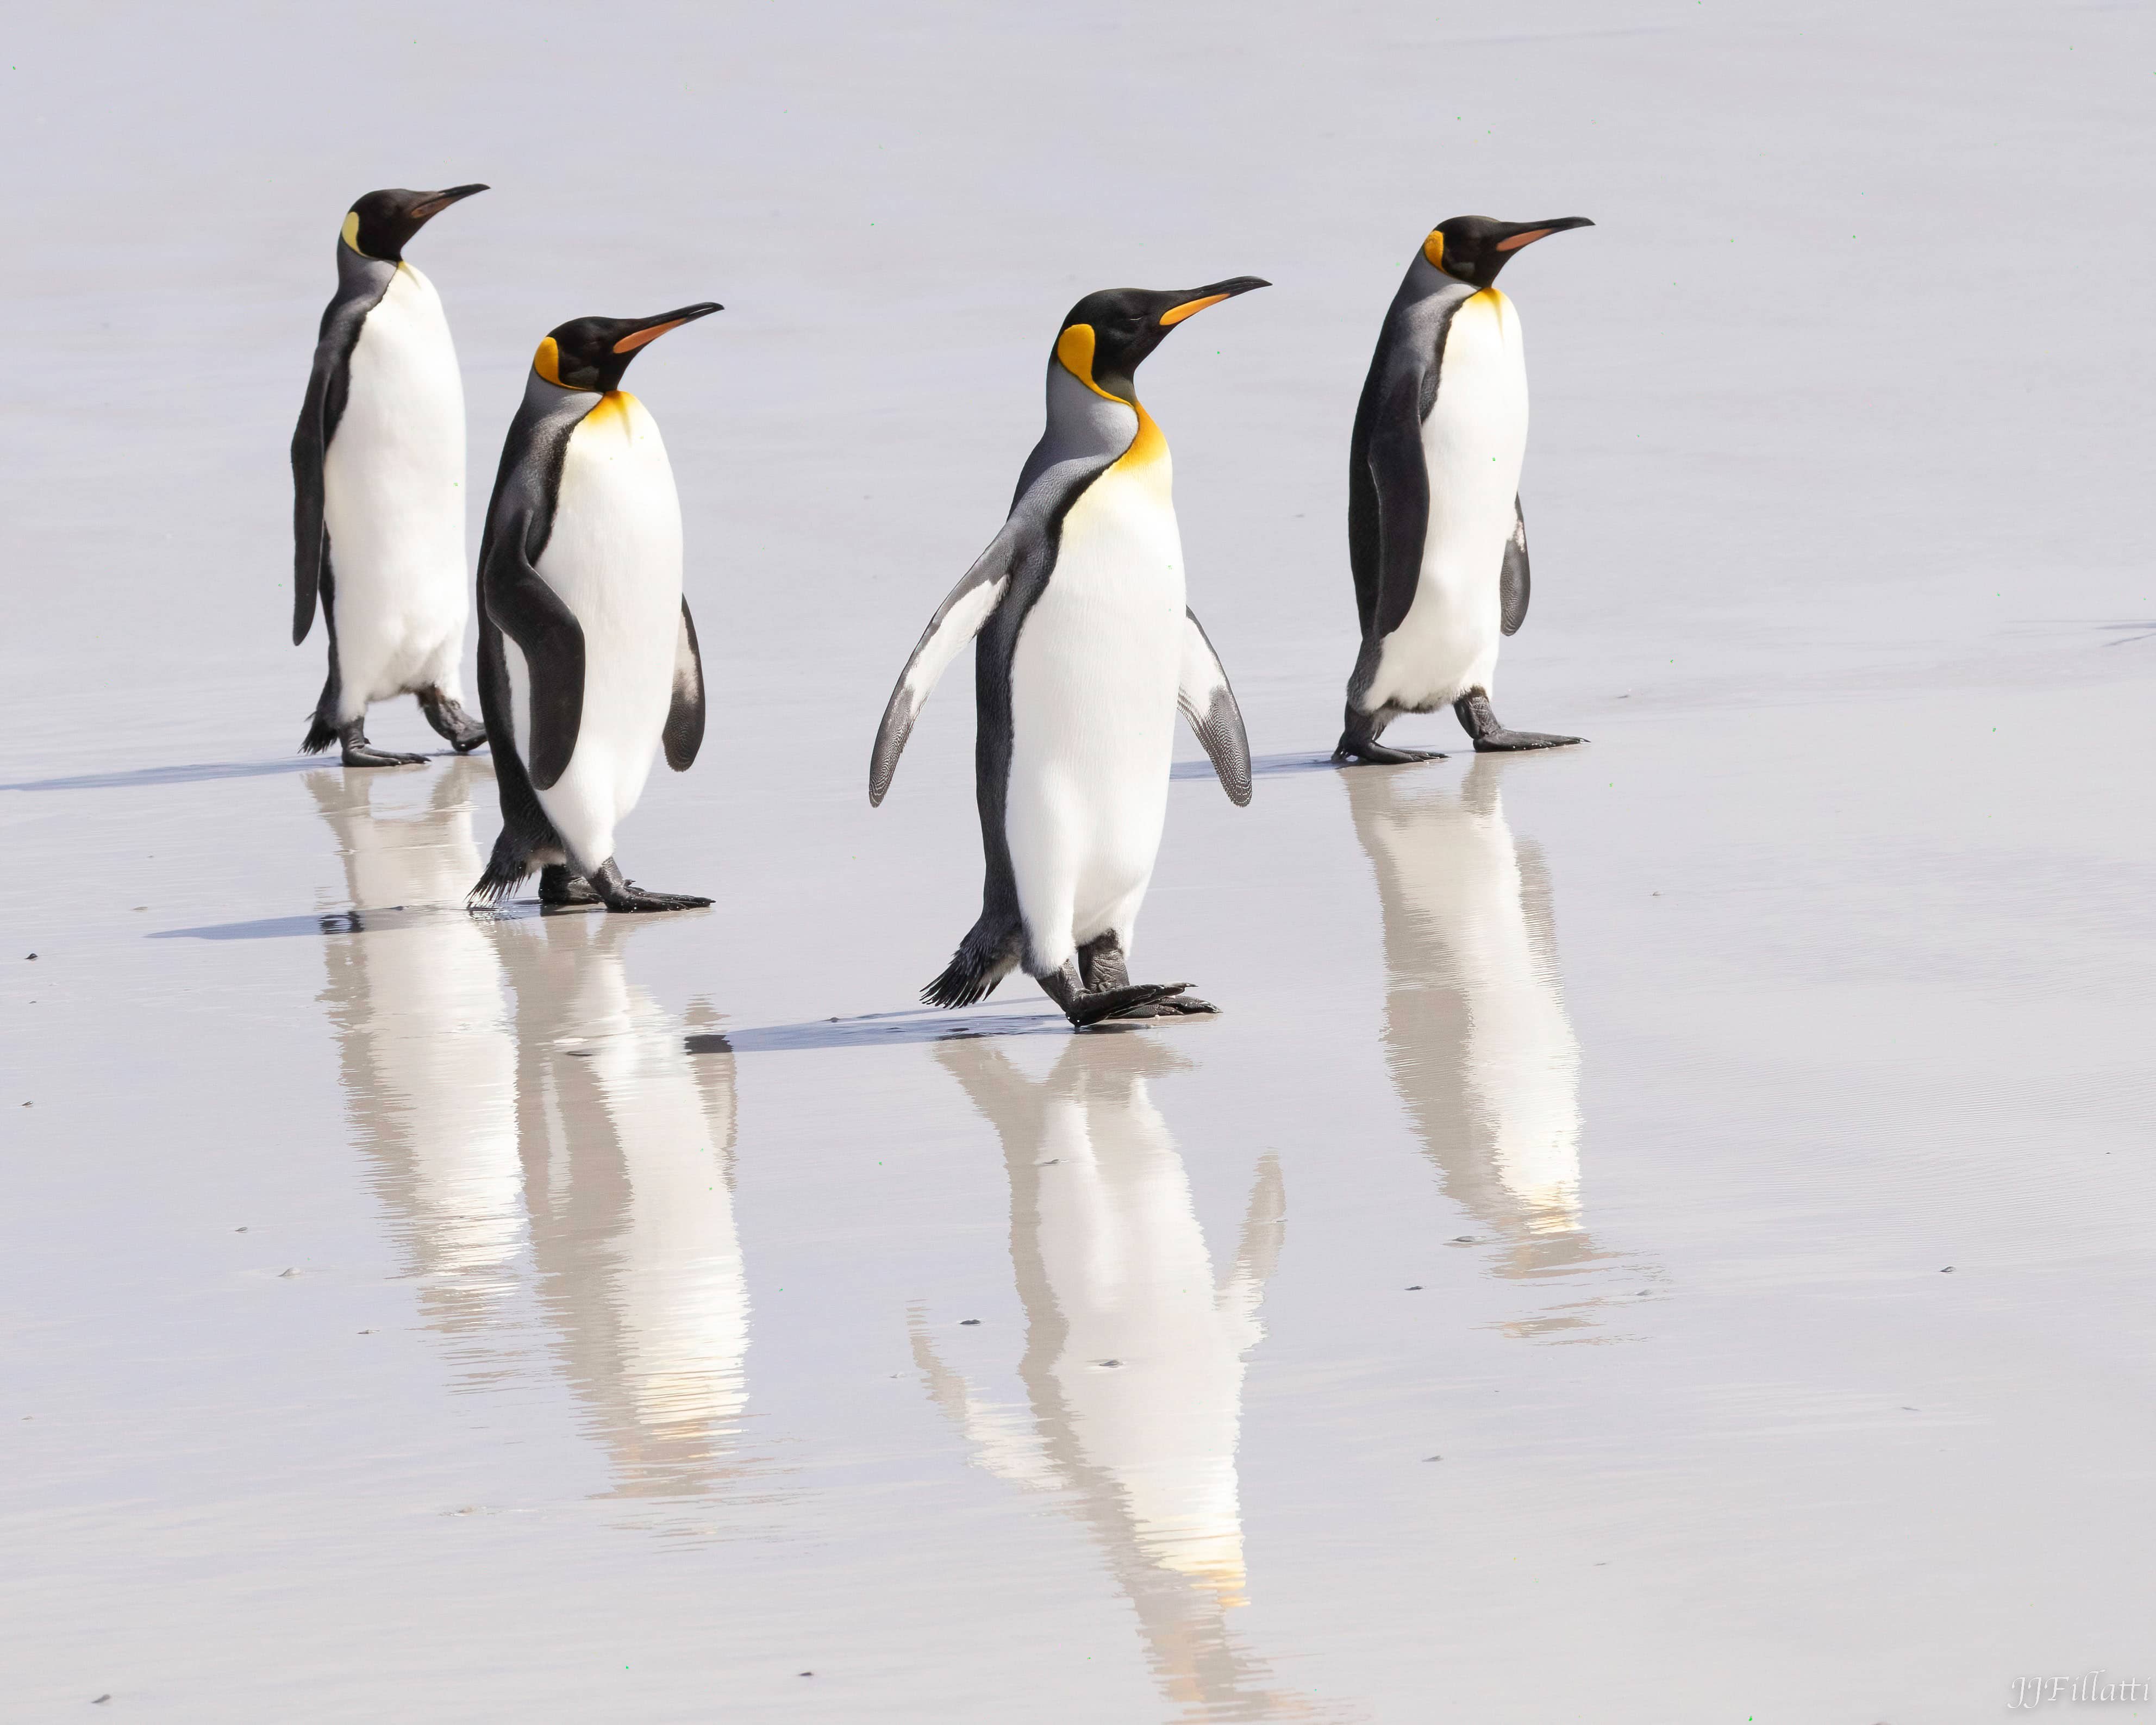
(964, 610)
(1209, 705)
(1513, 580)
(532, 614)
(685, 718)
(361, 284)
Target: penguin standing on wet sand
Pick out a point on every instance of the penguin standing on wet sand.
(378, 483)
(1435, 533)
(1087, 651)
(587, 659)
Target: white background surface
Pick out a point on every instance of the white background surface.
(1838, 496)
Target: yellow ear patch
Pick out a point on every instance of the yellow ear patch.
(547, 363)
(351, 231)
(1433, 248)
(1190, 308)
(1075, 348)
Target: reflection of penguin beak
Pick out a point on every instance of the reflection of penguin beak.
(652, 328)
(1189, 305)
(1522, 234)
(435, 202)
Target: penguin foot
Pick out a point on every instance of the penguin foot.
(1501, 742)
(620, 894)
(1368, 752)
(1082, 1005)
(1181, 1006)
(1491, 737)
(561, 888)
(459, 728)
(356, 750)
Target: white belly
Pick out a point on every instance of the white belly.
(1093, 713)
(393, 501)
(1472, 444)
(614, 559)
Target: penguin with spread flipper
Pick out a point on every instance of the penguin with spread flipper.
(378, 489)
(587, 659)
(1435, 533)
(1087, 651)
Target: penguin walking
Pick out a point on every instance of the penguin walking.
(378, 477)
(1435, 533)
(1087, 651)
(588, 658)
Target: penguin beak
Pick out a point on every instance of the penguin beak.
(1528, 232)
(435, 202)
(652, 328)
(1190, 304)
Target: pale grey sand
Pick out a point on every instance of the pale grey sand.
(411, 1317)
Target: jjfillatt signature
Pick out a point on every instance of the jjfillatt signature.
(2026, 1692)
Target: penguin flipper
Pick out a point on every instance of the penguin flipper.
(1209, 703)
(361, 284)
(532, 614)
(1402, 479)
(965, 609)
(685, 718)
(1512, 583)
(310, 539)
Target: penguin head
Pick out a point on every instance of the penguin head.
(1474, 249)
(592, 352)
(382, 224)
(1107, 335)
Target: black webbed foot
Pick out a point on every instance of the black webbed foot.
(620, 894)
(561, 888)
(1181, 1006)
(1491, 737)
(1358, 744)
(1082, 1005)
(354, 750)
(1370, 752)
(459, 728)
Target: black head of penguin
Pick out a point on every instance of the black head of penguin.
(1474, 249)
(382, 224)
(1107, 335)
(592, 352)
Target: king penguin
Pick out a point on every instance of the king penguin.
(1435, 533)
(378, 483)
(1087, 652)
(587, 657)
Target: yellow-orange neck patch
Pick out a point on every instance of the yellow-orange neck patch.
(615, 405)
(1075, 348)
(1433, 248)
(547, 363)
(351, 230)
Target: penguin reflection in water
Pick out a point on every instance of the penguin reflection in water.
(1087, 651)
(378, 479)
(588, 658)
(1133, 1364)
(1482, 1049)
(1436, 537)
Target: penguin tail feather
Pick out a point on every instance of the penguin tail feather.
(321, 734)
(506, 870)
(984, 959)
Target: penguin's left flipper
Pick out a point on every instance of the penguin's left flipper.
(619, 895)
(685, 717)
(1209, 703)
(1513, 580)
(532, 614)
(362, 282)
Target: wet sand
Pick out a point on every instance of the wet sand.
(1659, 1231)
